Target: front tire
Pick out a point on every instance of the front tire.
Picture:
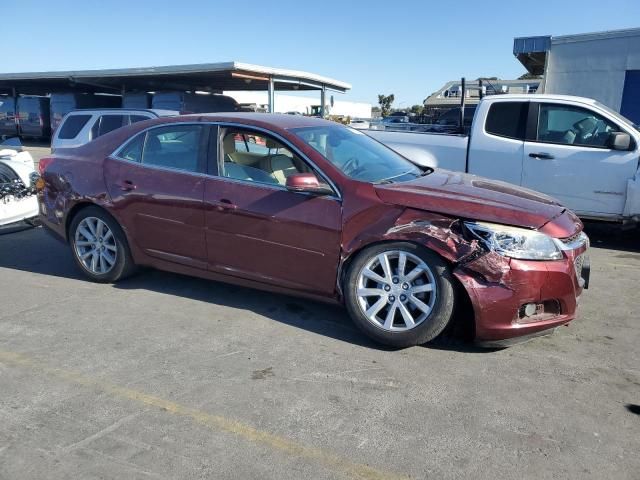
(99, 246)
(400, 294)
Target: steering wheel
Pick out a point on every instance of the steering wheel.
(593, 132)
(351, 166)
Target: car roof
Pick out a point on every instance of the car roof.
(156, 111)
(274, 120)
(539, 96)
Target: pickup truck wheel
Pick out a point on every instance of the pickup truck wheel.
(99, 246)
(399, 294)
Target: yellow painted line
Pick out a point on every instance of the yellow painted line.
(214, 422)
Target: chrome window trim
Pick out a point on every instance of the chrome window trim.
(158, 167)
(222, 124)
(272, 186)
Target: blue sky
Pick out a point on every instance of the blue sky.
(405, 47)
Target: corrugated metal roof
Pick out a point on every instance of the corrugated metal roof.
(206, 76)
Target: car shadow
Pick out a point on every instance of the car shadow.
(633, 408)
(613, 237)
(38, 252)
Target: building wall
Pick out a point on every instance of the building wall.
(592, 65)
(302, 104)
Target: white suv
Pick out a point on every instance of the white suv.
(81, 126)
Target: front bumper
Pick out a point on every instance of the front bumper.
(500, 288)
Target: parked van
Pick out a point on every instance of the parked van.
(194, 103)
(33, 117)
(63, 103)
(136, 100)
(8, 125)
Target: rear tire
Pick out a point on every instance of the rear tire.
(99, 246)
(400, 294)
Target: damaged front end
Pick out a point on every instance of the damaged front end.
(520, 282)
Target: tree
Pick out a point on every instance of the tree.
(417, 109)
(385, 102)
(529, 76)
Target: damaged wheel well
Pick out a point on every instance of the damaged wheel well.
(464, 318)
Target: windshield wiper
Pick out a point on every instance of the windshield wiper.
(427, 171)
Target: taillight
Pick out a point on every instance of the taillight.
(43, 164)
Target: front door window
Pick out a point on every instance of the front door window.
(568, 125)
(257, 158)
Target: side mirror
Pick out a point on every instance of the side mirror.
(307, 183)
(619, 141)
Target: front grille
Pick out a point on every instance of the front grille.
(572, 239)
(575, 241)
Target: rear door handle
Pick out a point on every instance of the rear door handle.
(542, 156)
(224, 204)
(126, 185)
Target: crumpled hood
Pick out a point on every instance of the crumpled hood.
(477, 198)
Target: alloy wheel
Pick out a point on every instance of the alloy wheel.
(396, 290)
(95, 246)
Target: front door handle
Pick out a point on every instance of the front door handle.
(224, 204)
(542, 156)
(126, 185)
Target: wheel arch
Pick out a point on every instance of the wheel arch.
(464, 314)
(79, 207)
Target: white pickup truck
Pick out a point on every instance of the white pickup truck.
(572, 148)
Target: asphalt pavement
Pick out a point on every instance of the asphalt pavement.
(165, 376)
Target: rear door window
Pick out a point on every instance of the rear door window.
(133, 150)
(72, 126)
(108, 123)
(507, 119)
(176, 147)
(138, 118)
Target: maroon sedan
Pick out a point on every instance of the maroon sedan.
(308, 207)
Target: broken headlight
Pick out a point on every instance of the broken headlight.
(515, 242)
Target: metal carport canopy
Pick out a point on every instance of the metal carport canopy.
(211, 77)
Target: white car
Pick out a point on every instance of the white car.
(81, 126)
(18, 202)
(360, 124)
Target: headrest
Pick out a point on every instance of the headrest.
(229, 143)
(272, 143)
(153, 144)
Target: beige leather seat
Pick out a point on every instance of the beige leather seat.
(241, 158)
(279, 165)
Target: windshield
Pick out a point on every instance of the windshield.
(357, 155)
(617, 115)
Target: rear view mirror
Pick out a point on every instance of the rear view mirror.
(619, 141)
(307, 183)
